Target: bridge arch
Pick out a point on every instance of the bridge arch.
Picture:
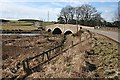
(57, 31)
(67, 32)
(49, 30)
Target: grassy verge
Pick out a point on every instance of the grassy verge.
(107, 54)
(109, 29)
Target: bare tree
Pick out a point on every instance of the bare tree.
(67, 13)
(86, 12)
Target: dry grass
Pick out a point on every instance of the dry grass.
(68, 65)
(106, 52)
(74, 63)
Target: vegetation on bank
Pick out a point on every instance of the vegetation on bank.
(106, 52)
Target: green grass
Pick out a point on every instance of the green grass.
(18, 28)
(21, 25)
(48, 23)
(17, 25)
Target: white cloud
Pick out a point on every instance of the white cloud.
(58, 4)
(11, 10)
(59, 0)
(14, 11)
(107, 12)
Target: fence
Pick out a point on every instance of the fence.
(43, 57)
(46, 56)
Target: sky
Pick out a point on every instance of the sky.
(38, 9)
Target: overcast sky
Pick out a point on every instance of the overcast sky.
(38, 9)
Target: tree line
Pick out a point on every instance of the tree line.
(85, 14)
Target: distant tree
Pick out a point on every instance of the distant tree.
(61, 20)
(116, 23)
(73, 21)
(30, 20)
(71, 11)
(67, 13)
(97, 19)
(86, 13)
(3, 20)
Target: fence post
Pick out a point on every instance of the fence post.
(72, 43)
(54, 51)
(26, 66)
(47, 55)
(60, 48)
(51, 53)
(42, 57)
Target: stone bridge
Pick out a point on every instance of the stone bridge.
(64, 28)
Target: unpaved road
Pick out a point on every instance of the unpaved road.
(113, 35)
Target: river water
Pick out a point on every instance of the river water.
(19, 34)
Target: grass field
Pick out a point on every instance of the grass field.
(21, 25)
(18, 28)
(48, 23)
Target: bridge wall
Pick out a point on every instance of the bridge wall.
(66, 27)
(62, 27)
